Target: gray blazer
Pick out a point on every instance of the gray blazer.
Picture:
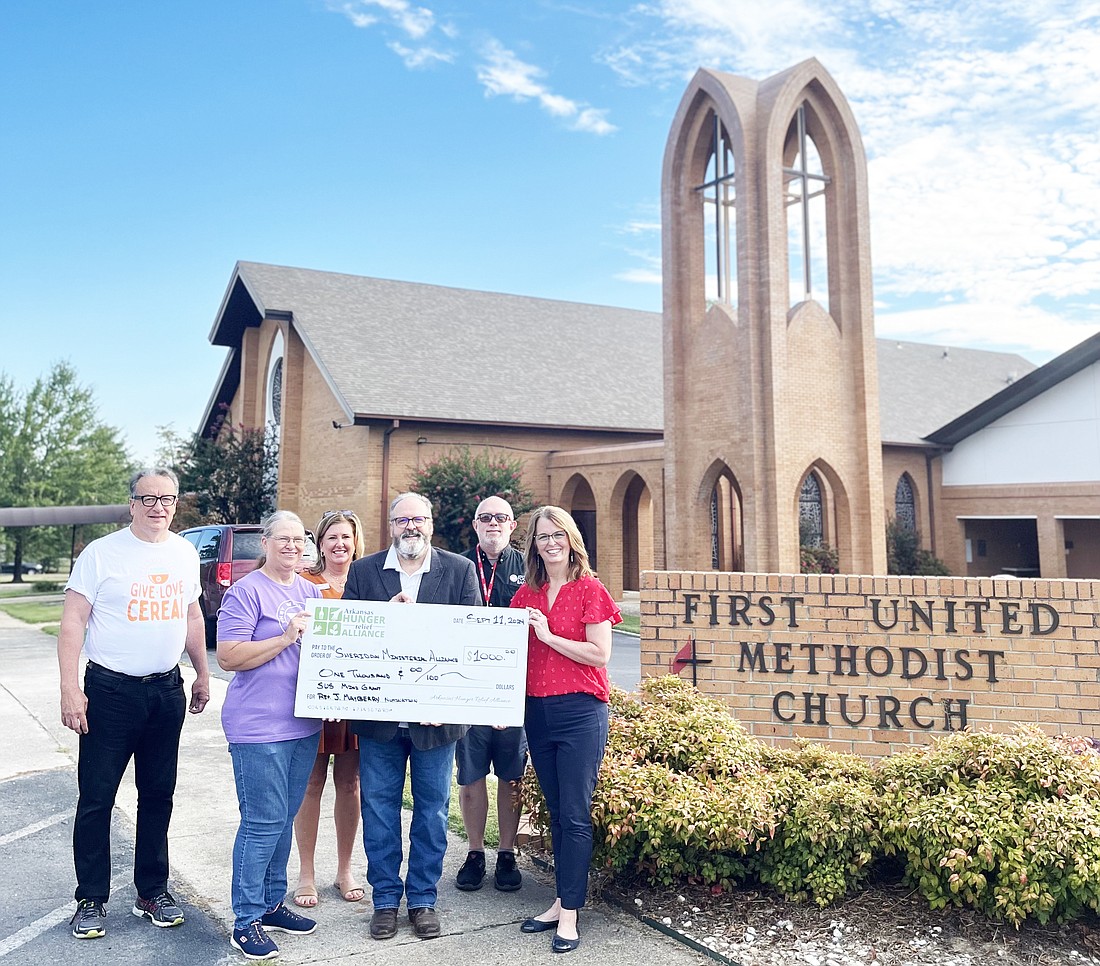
(452, 580)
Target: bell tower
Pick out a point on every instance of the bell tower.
(772, 438)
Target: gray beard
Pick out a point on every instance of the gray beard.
(411, 548)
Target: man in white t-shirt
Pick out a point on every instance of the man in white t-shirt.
(132, 604)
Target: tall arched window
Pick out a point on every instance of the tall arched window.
(273, 410)
(806, 183)
(905, 508)
(719, 218)
(811, 516)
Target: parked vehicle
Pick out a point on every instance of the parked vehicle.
(228, 551)
(28, 568)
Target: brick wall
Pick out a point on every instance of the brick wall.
(822, 656)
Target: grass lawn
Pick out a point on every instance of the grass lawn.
(632, 624)
(33, 612)
(15, 590)
(32, 586)
(454, 817)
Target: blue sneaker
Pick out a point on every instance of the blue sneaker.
(282, 919)
(253, 942)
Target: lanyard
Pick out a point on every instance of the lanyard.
(486, 588)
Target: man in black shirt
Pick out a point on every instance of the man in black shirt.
(499, 573)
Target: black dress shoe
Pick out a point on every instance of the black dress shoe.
(560, 945)
(538, 925)
(383, 924)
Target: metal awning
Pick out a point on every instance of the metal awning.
(53, 516)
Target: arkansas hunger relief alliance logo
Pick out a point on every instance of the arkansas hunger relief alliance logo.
(336, 620)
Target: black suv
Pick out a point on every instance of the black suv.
(228, 551)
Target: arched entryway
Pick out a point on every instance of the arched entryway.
(579, 500)
(633, 495)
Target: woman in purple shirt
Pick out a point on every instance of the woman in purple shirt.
(260, 625)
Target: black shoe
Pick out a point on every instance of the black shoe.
(383, 924)
(472, 872)
(425, 922)
(90, 920)
(560, 945)
(507, 877)
(538, 925)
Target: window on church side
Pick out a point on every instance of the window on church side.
(905, 510)
(277, 392)
(715, 556)
(811, 517)
(805, 184)
(719, 219)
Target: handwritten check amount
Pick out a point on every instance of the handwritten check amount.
(443, 663)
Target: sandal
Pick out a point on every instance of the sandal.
(305, 896)
(353, 893)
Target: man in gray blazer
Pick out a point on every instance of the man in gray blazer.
(410, 571)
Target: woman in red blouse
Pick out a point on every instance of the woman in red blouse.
(569, 644)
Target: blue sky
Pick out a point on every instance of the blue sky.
(509, 146)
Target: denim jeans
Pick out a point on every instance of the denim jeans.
(382, 767)
(127, 718)
(271, 780)
(566, 735)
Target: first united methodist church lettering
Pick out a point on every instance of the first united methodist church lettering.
(874, 656)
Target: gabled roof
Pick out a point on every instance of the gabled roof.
(401, 349)
(1027, 388)
(922, 386)
(407, 350)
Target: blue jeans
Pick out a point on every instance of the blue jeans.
(127, 718)
(271, 780)
(566, 735)
(381, 781)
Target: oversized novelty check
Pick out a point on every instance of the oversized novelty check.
(441, 663)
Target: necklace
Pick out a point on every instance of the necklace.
(336, 583)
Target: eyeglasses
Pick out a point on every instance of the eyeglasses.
(288, 541)
(558, 536)
(169, 499)
(336, 513)
(489, 517)
(405, 521)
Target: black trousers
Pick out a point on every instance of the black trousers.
(127, 718)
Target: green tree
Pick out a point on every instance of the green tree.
(228, 476)
(459, 480)
(54, 451)
(905, 555)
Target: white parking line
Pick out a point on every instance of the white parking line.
(36, 827)
(42, 923)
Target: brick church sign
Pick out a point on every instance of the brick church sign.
(871, 665)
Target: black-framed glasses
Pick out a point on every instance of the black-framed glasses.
(490, 517)
(405, 521)
(169, 499)
(558, 536)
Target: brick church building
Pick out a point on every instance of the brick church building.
(755, 414)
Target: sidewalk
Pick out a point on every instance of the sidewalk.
(479, 928)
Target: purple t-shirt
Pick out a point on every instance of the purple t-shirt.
(259, 705)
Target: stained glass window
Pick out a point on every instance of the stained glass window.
(811, 531)
(905, 510)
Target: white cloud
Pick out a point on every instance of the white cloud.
(415, 22)
(503, 74)
(415, 57)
